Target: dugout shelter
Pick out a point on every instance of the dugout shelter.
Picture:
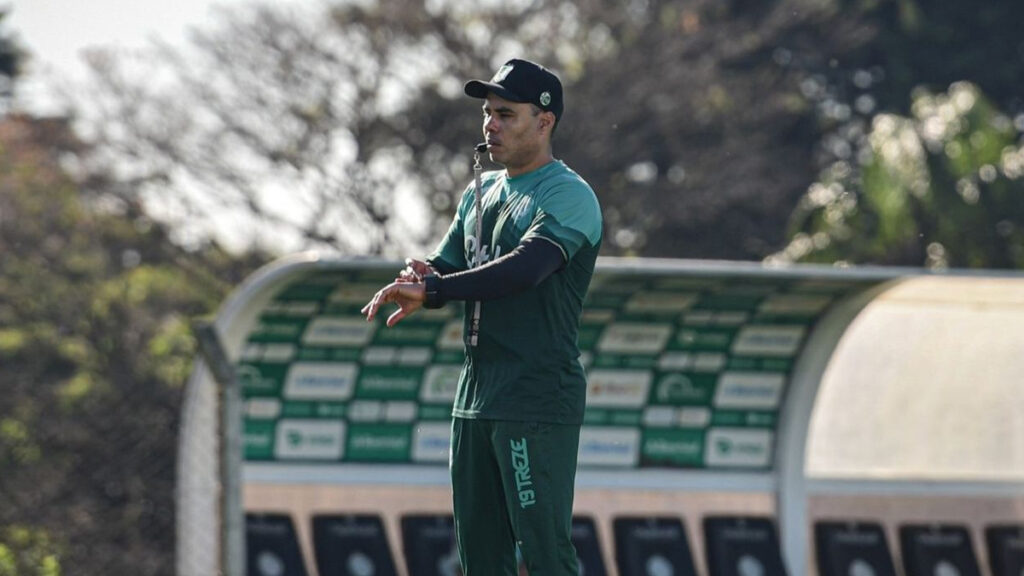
(741, 420)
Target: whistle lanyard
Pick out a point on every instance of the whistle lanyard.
(474, 326)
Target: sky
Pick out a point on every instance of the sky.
(56, 32)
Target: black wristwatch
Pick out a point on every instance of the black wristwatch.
(432, 291)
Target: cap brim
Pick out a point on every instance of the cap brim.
(480, 89)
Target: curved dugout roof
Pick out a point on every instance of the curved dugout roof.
(926, 384)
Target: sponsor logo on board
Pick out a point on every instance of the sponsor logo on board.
(320, 381)
(763, 340)
(605, 446)
(618, 388)
(749, 390)
(659, 303)
(440, 383)
(309, 440)
(294, 309)
(794, 304)
(353, 293)
(338, 331)
(262, 408)
(431, 442)
(451, 336)
(738, 447)
(634, 338)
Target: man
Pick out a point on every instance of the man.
(520, 398)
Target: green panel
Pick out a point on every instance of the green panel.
(435, 412)
(449, 357)
(588, 336)
(278, 330)
(753, 419)
(674, 448)
(596, 417)
(389, 383)
(701, 339)
(330, 410)
(259, 440)
(298, 409)
(683, 389)
(345, 354)
(261, 379)
(342, 308)
(747, 363)
(605, 300)
(639, 361)
(728, 302)
(625, 418)
(379, 443)
(409, 334)
(307, 291)
(315, 354)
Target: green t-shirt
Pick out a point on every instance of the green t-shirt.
(526, 365)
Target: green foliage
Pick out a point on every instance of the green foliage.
(943, 187)
(95, 304)
(28, 552)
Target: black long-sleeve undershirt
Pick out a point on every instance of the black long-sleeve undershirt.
(524, 267)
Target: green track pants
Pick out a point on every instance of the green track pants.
(512, 484)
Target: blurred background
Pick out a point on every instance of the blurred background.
(139, 185)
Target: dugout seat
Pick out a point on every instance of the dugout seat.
(428, 542)
(742, 546)
(1005, 545)
(845, 548)
(353, 544)
(271, 547)
(937, 550)
(588, 547)
(652, 545)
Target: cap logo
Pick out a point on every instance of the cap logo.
(502, 73)
(545, 98)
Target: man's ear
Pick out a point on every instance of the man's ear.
(547, 120)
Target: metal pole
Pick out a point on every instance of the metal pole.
(232, 545)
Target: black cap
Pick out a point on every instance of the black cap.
(522, 81)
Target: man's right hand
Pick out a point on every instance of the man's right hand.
(408, 295)
(415, 270)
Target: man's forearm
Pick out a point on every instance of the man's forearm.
(523, 268)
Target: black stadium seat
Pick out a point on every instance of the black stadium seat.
(351, 545)
(652, 546)
(852, 548)
(1006, 549)
(588, 548)
(428, 542)
(742, 546)
(937, 550)
(271, 548)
